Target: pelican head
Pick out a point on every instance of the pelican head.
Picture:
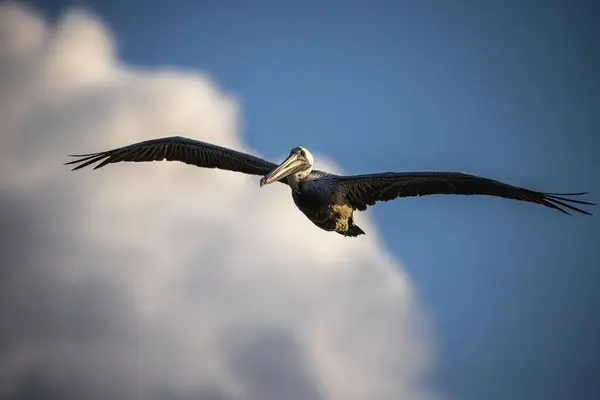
(298, 164)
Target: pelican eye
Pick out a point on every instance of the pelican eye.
(302, 153)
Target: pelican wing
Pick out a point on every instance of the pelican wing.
(181, 149)
(364, 190)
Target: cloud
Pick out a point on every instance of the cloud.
(164, 281)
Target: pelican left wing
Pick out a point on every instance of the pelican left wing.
(364, 190)
(176, 148)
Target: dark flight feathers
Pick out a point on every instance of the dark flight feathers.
(181, 149)
(364, 190)
(360, 190)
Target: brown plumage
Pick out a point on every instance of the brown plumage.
(365, 190)
(177, 148)
(328, 200)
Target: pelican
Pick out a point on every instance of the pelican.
(328, 200)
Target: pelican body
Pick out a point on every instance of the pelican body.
(315, 193)
(326, 199)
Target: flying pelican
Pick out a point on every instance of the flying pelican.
(327, 200)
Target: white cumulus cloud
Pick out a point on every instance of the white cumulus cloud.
(166, 281)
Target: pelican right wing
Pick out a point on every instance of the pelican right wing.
(364, 190)
(177, 148)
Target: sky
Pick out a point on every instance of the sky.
(446, 296)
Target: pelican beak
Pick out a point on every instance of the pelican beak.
(289, 166)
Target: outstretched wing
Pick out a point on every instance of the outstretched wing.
(364, 190)
(181, 149)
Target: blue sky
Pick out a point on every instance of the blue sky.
(507, 90)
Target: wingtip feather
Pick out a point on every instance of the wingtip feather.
(555, 201)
